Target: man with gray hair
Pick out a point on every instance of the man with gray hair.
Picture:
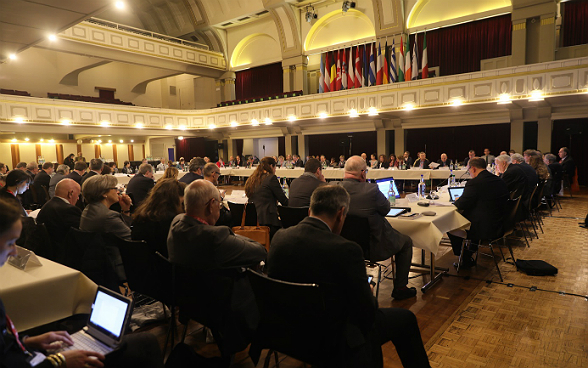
(96, 166)
(314, 252)
(514, 177)
(367, 201)
(60, 174)
(196, 166)
(141, 184)
(196, 244)
(32, 169)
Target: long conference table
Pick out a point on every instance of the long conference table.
(329, 174)
(42, 294)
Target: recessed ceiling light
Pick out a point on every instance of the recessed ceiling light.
(168, 127)
(372, 111)
(12, 56)
(19, 120)
(292, 118)
(41, 140)
(254, 122)
(132, 140)
(182, 127)
(120, 5)
(52, 37)
(211, 126)
(234, 123)
(65, 121)
(104, 123)
(120, 141)
(139, 125)
(51, 140)
(353, 113)
(409, 106)
(180, 138)
(27, 139)
(14, 139)
(110, 141)
(323, 115)
(99, 141)
(268, 121)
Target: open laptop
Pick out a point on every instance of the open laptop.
(455, 193)
(106, 326)
(384, 186)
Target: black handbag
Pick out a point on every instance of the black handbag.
(536, 267)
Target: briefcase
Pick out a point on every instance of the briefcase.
(260, 234)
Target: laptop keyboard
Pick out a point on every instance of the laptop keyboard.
(83, 341)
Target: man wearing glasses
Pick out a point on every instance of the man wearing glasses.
(367, 201)
(196, 243)
(211, 173)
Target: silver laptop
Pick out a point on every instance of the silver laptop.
(455, 193)
(106, 326)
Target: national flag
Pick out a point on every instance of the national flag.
(350, 73)
(357, 77)
(322, 77)
(407, 61)
(333, 80)
(338, 84)
(425, 63)
(344, 70)
(379, 70)
(327, 86)
(365, 66)
(415, 60)
(393, 75)
(401, 61)
(385, 70)
(372, 71)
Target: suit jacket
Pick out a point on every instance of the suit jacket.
(59, 216)
(96, 217)
(310, 253)
(190, 177)
(341, 164)
(140, 186)
(556, 172)
(409, 162)
(465, 162)
(417, 163)
(569, 167)
(43, 179)
(483, 203)
(87, 175)
(75, 177)
(368, 201)
(53, 182)
(5, 196)
(516, 181)
(265, 198)
(532, 178)
(301, 189)
(443, 164)
(489, 159)
(299, 163)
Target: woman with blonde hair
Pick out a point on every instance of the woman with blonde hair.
(171, 172)
(264, 190)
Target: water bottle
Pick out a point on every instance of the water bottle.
(286, 188)
(451, 178)
(392, 195)
(422, 188)
(451, 165)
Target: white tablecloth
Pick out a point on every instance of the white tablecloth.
(40, 295)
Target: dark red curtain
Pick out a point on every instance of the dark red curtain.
(266, 80)
(575, 23)
(190, 147)
(459, 49)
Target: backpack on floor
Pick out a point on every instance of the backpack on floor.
(536, 267)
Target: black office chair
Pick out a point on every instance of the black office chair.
(294, 321)
(87, 252)
(291, 216)
(237, 214)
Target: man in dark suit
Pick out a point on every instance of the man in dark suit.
(195, 242)
(141, 184)
(567, 163)
(302, 187)
(367, 201)
(96, 166)
(422, 162)
(443, 161)
(296, 161)
(314, 252)
(32, 169)
(556, 172)
(44, 176)
(532, 178)
(513, 175)
(471, 154)
(78, 171)
(409, 161)
(60, 213)
(488, 158)
(483, 203)
(196, 166)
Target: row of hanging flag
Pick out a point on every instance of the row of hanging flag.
(371, 67)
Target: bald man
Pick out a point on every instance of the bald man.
(367, 201)
(60, 214)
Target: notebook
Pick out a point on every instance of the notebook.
(106, 325)
(384, 186)
(455, 193)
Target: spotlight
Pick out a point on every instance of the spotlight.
(132, 141)
(292, 118)
(268, 121)
(234, 123)
(254, 122)
(26, 139)
(348, 5)
(180, 138)
(211, 126)
(120, 141)
(12, 56)
(353, 113)
(52, 37)
(182, 127)
(323, 115)
(120, 5)
(504, 99)
(536, 95)
(310, 14)
(372, 111)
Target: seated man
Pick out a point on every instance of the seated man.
(195, 242)
(443, 161)
(302, 187)
(44, 176)
(385, 242)
(96, 166)
(488, 158)
(211, 173)
(78, 171)
(314, 252)
(162, 165)
(422, 162)
(556, 172)
(195, 167)
(483, 203)
(513, 176)
(141, 184)
(409, 161)
(471, 154)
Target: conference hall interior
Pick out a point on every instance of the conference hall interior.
(129, 80)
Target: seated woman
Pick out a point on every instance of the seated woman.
(373, 163)
(152, 219)
(264, 190)
(17, 182)
(100, 193)
(382, 163)
(171, 172)
(127, 169)
(181, 164)
(137, 350)
(393, 161)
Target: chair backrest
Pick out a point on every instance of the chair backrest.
(512, 207)
(237, 214)
(293, 320)
(40, 242)
(86, 252)
(538, 194)
(146, 272)
(530, 204)
(291, 216)
(357, 229)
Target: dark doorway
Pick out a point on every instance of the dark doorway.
(572, 133)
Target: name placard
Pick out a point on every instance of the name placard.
(24, 259)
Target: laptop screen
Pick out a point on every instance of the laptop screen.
(455, 193)
(384, 186)
(109, 313)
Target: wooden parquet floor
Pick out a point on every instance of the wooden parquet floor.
(466, 321)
